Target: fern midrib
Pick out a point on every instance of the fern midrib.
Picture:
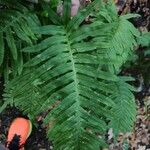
(78, 114)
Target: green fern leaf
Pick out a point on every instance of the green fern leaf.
(1, 48)
(68, 78)
(66, 10)
(125, 110)
(15, 32)
(144, 39)
(123, 37)
(11, 43)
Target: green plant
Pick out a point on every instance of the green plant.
(143, 63)
(15, 33)
(75, 65)
(144, 56)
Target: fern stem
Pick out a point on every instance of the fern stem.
(78, 104)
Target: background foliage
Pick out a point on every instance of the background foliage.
(15, 32)
(143, 63)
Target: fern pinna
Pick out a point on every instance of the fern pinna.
(75, 65)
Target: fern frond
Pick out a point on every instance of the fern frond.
(70, 68)
(123, 38)
(125, 110)
(1, 48)
(143, 63)
(123, 42)
(15, 32)
(144, 39)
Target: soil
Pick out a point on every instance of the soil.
(139, 139)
